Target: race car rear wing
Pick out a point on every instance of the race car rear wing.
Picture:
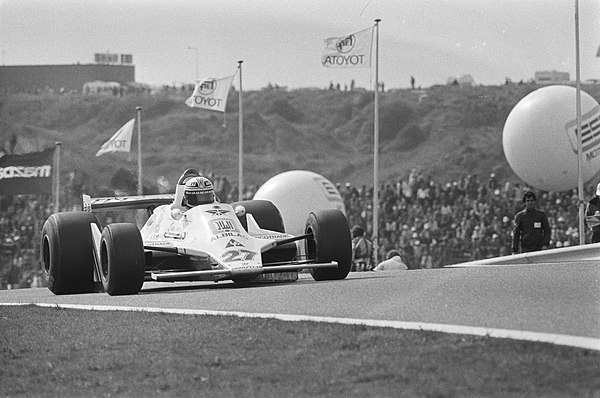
(125, 202)
(147, 202)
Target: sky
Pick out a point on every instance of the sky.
(281, 41)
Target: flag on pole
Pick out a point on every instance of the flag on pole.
(210, 94)
(352, 51)
(120, 141)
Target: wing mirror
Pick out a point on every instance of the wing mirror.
(176, 214)
(240, 211)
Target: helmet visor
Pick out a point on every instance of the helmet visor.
(196, 198)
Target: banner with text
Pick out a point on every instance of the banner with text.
(352, 51)
(210, 94)
(120, 141)
(31, 173)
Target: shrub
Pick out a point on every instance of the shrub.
(409, 138)
(283, 108)
(393, 118)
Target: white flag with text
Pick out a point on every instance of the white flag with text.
(210, 94)
(352, 51)
(120, 141)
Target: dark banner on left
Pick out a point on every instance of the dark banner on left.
(31, 173)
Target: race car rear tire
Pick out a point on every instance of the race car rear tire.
(122, 259)
(330, 241)
(265, 213)
(67, 252)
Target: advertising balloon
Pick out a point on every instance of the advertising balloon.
(540, 138)
(298, 192)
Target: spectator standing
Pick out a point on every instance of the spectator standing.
(15, 273)
(505, 237)
(592, 210)
(417, 252)
(492, 183)
(362, 250)
(531, 230)
(393, 262)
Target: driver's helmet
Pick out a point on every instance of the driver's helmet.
(198, 191)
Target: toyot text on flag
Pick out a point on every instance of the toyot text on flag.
(120, 141)
(210, 94)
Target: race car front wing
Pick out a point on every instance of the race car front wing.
(237, 272)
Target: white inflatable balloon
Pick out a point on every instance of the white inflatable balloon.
(298, 192)
(540, 138)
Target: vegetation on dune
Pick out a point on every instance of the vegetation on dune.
(444, 131)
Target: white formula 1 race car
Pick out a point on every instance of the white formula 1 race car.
(242, 242)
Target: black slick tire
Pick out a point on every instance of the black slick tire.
(121, 259)
(268, 216)
(66, 252)
(330, 241)
(265, 213)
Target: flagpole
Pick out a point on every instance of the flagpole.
(375, 236)
(241, 139)
(140, 189)
(57, 145)
(579, 138)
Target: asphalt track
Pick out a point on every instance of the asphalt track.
(553, 302)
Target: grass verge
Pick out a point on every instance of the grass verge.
(76, 353)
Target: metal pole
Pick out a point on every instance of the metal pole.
(140, 189)
(375, 236)
(241, 139)
(58, 145)
(579, 146)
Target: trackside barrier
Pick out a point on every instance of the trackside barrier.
(589, 252)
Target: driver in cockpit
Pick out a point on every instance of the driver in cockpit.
(198, 191)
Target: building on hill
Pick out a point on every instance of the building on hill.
(38, 78)
(551, 77)
(463, 80)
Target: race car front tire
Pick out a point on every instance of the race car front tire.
(267, 216)
(265, 213)
(330, 241)
(122, 259)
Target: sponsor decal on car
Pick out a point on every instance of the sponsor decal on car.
(233, 243)
(235, 255)
(177, 230)
(217, 211)
(279, 276)
(273, 236)
(227, 235)
(157, 243)
(222, 225)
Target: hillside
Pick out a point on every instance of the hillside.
(443, 131)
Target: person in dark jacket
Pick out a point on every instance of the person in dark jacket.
(531, 231)
(362, 250)
(592, 215)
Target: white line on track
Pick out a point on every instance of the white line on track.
(589, 343)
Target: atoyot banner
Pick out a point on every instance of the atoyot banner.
(352, 51)
(31, 173)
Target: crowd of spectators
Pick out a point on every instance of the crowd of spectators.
(431, 223)
(21, 221)
(435, 224)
